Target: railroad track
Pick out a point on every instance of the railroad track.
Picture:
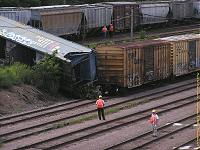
(136, 143)
(108, 126)
(162, 33)
(14, 134)
(191, 143)
(13, 119)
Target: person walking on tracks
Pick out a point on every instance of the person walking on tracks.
(100, 107)
(111, 30)
(154, 121)
(104, 31)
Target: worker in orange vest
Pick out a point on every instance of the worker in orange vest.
(100, 107)
(111, 30)
(154, 121)
(104, 31)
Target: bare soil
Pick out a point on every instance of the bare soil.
(24, 97)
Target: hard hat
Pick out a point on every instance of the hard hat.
(153, 111)
(100, 96)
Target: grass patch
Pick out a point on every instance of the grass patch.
(108, 111)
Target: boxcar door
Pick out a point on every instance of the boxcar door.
(134, 67)
(148, 63)
(192, 55)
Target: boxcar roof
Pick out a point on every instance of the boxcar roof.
(120, 3)
(181, 37)
(142, 44)
(50, 7)
(38, 40)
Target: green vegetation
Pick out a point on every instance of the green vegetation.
(44, 75)
(47, 74)
(14, 75)
(108, 111)
(142, 35)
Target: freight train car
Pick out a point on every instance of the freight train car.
(196, 9)
(58, 20)
(133, 64)
(185, 50)
(182, 9)
(96, 15)
(121, 18)
(154, 12)
(22, 15)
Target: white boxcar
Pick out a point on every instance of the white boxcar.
(97, 15)
(181, 9)
(17, 14)
(153, 12)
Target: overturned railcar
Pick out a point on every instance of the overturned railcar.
(133, 64)
(28, 45)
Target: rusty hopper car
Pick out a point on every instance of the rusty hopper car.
(122, 14)
(132, 65)
(185, 53)
(57, 20)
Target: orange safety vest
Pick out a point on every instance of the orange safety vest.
(104, 29)
(111, 28)
(100, 103)
(153, 119)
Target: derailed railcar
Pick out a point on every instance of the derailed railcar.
(121, 18)
(185, 50)
(154, 12)
(58, 20)
(181, 9)
(135, 64)
(77, 61)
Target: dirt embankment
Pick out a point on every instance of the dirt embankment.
(21, 98)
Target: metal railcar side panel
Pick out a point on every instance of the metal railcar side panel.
(133, 64)
(122, 14)
(61, 23)
(185, 53)
(96, 15)
(196, 9)
(154, 13)
(181, 9)
(133, 67)
(180, 58)
(110, 65)
(22, 16)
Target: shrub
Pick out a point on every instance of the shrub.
(15, 74)
(142, 34)
(46, 74)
